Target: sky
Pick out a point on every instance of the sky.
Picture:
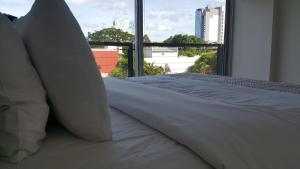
(162, 18)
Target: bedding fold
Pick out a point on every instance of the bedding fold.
(226, 136)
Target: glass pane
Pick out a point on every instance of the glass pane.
(188, 22)
(173, 60)
(112, 61)
(16, 7)
(101, 21)
(107, 21)
(170, 21)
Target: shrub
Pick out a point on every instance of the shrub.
(206, 64)
(149, 69)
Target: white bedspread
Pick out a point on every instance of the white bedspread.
(230, 136)
(134, 146)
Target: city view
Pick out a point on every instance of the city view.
(206, 26)
(173, 22)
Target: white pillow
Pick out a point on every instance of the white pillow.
(65, 62)
(23, 107)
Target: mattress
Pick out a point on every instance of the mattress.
(134, 146)
(149, 145)
(194, 80)
(280, 99)
(231, 123)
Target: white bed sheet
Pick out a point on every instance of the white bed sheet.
(261, 135)
(284, 105)
(134, 146)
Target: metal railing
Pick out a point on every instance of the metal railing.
(221, 65)
(119, 44)
(221, 68)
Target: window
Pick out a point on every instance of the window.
(191, 32)
(163, 19)
(178, 36)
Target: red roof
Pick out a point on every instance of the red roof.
(106, 60)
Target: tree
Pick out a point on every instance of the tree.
(146, 39)
(206, 64)
(121, 70)
(114, 35)
(186, 51)
(179, 38)
(111, 35)
(117, 35)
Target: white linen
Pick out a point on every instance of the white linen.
(134, 146)
(225, 90)
(225, 135)
(66, 65)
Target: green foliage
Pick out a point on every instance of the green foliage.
(119, 73)
(149, 69)
(190, 52)
(146, 39)
(121, 70)
(186, 51)
(117, 35)
(206, 64)
(123, 63)
(114, 35)
(111, 35)
(179, 38)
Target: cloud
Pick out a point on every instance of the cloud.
(163, 28)
(12, 1)
(120, 6)
(79, 2)
(157, 27)
(220, 2)
(90, 25)
(15, 7)
(169, 16)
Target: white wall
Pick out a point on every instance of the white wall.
(266, 40)
(213, 32)
(150, 52)
(287, 51)
(252, 39)
(176, 64)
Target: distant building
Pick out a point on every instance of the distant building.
(131, 27)
(199, 25)
(124, 24)
(169, 56)
(106, 59)
(210, 24)
(221, 31)
(151, 52)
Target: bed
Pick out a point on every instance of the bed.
(186, 121)
(134, 146)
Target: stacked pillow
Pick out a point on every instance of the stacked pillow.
(64, 61)
(23, 107)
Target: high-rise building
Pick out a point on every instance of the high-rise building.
(199, 23)
(210, 24)
(221, 24)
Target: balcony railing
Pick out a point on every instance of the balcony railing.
(128, 49)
